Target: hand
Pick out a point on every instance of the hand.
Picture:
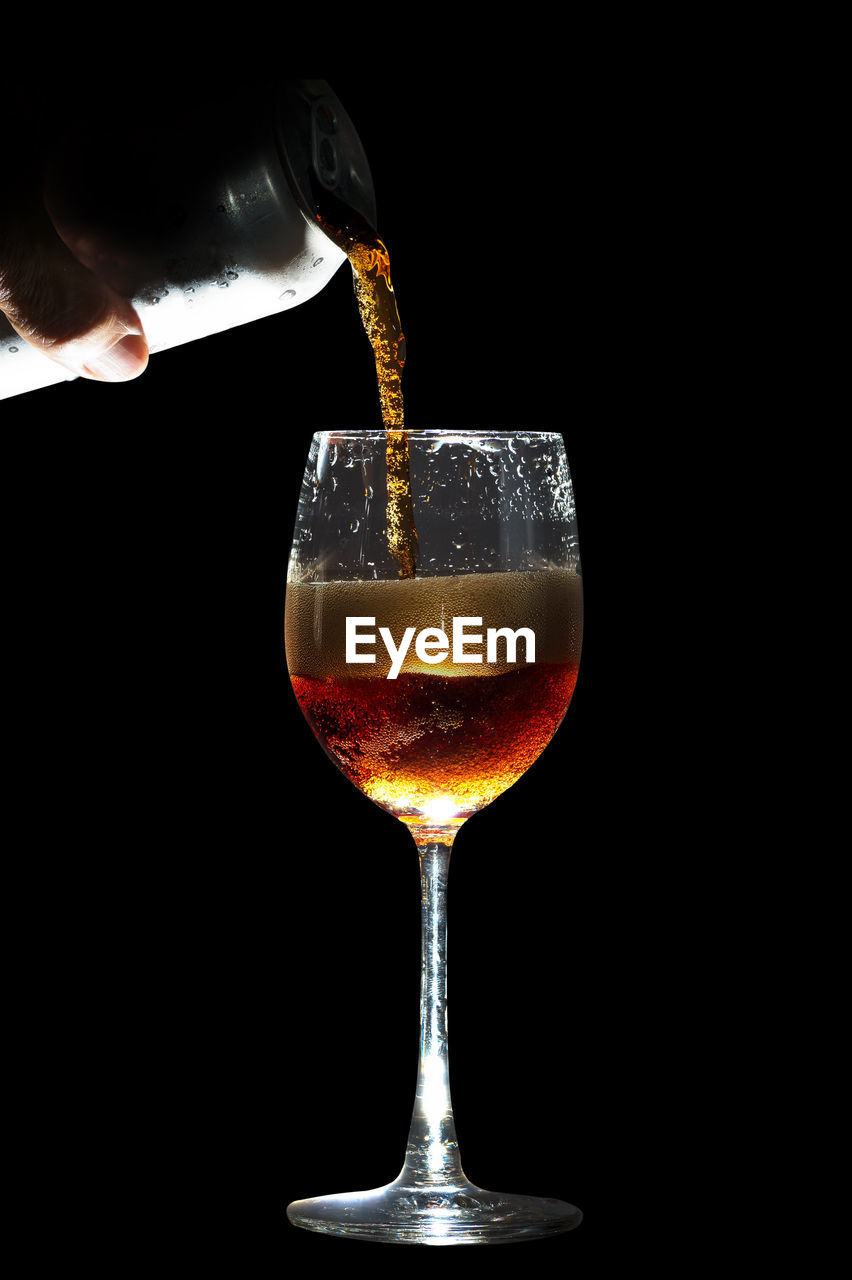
(47, 295)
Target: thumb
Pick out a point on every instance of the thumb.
(62, 308)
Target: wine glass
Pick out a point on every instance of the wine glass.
(434, 693)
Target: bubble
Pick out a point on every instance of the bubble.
(13, 351)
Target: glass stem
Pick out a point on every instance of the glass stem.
(432, 1156)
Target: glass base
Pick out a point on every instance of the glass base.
(457, 1214)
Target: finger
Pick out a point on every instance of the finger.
(62, 308)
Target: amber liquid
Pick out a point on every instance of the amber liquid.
(379, 313)
(438, 742)
(436, 749)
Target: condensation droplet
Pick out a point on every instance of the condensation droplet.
(223, 284)
(355, 526)
(322, 463)
(288, 293)
(317, 261)
(13, 351)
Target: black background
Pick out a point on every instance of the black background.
(220, 933)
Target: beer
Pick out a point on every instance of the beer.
(379, 313)
(441, 738)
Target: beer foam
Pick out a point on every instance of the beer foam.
(549, 601)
